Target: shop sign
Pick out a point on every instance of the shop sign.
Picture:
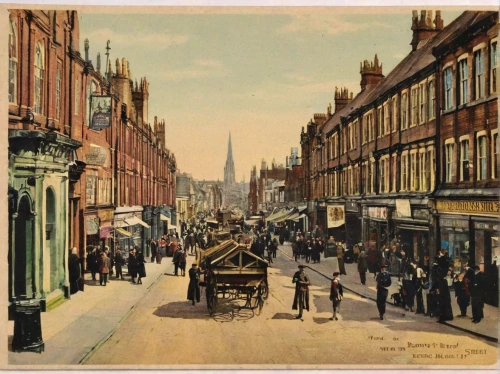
(351, 206)
(422, 214)
(377, 212)
(458, 223)
(403, 208)
(468, 207)
(92, 225)
(335, 215)
(106, 215)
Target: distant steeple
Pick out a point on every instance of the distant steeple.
(229, 173)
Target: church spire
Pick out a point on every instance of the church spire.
(229, 150)
(229, 172)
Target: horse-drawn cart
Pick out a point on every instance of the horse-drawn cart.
(231, 271)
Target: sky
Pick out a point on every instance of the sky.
(259, 75)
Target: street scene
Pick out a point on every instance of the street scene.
(223, 189)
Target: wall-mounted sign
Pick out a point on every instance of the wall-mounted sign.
(335, 215)
(377, 212)
(467, 207)
(92, 225)
(403, 209)
(96, 156)
(100, 112)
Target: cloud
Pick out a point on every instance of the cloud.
(199, 69)
(331, 25)
(159, 41)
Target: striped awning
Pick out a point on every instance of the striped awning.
(123, 232)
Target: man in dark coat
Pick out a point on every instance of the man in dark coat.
(194, 284)
(132, 265)
(382, 290)
(476, 289)
(444, 297)
(74, 271)
(362, 267)
(175, 259)
(118, 264)
(301, 297)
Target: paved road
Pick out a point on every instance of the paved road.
(165, 329)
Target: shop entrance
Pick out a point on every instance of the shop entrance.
(24, 280)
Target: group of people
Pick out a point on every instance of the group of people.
(309, 249)
(102, 262)
(263, 242)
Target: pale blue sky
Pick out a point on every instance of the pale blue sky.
(260, 76)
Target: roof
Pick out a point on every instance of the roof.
(414, 62)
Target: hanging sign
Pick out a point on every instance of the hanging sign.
(100, 112)
(335, 215)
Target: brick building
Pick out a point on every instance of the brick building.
(67, 179)
(392, 162)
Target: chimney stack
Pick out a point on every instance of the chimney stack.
(342, 98)
(424, 28)
(320, 119)
(371, 73)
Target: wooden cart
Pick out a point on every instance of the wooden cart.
(231, 271)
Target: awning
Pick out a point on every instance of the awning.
(163, 217)
(302, 216)
(292, 216)
(123, 232)
(136, 221)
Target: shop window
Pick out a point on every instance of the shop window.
(39, 78)
(463, 70)
(449, 153)
(12, 62)
(432, 99)
(448, 88)
(493, 66)
(404, 111)
(479, 76)
(482, 157)
(422, 102)
(455, 239)
(464, 160)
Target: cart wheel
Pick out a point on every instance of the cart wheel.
(212, 304)
(265, 290)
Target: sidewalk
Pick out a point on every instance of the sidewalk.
(72, 330)
(487, 328)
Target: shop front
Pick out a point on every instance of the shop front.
(375, 226)
(412, 230)
(352, 224)
(130, 219)
(469, 231)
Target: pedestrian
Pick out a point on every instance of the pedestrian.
(74, 271)
(355, 252)
(154, 248)
(119, 263)
(463, 298)
(321, 249)
(443, 296)
(336, 294)
(182, 261)
(409, 290)
(132, 265)
(308, 251)
(295, 249)
(340, 259)
(315, 251)
(93, 262)
(141, 268)
(362, 267)
(420, 286)
(194, 284)
(301, 297)
(175, 259)
(477, 291)
(274, 247)
(104, 265)
(383, 283)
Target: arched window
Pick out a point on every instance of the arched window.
(39, 78)
(12, 62)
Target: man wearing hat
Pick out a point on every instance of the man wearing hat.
(336, 294)
(194, 284)
(301, 297)
(383, 283)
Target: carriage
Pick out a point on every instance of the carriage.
(231, 271)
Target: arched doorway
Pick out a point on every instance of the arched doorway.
(50, 238)
(24, 269)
